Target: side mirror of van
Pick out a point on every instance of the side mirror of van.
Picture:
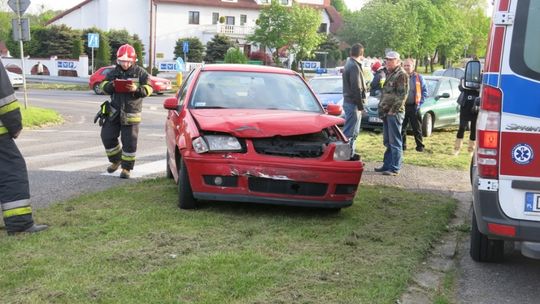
(473, 75)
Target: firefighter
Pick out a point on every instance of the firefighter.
(14, 187)
(124, 112)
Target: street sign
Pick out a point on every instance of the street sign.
(21, 31)
(19, 6)
(93, 40)
(180, 66)
(185, 47)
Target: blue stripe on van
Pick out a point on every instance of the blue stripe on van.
(520, 96)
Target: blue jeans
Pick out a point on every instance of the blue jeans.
(351, 128)
(392, 140)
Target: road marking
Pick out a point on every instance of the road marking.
(63, 155)
(143, 170)
(27, 148)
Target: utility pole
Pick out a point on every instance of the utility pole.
(21, 32)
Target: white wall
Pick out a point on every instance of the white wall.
(52, 64)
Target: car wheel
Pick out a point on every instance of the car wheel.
(427, 125)
(159, 93)
(482, 248)
(169, 174)
(185, 194)
(97, 89)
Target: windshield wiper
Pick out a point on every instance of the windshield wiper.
(209, 107)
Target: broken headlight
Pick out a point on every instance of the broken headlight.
(343, 151)
(216, 143)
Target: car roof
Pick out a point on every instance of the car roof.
(246, 68)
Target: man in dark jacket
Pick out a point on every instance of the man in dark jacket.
(354, 93)
(128, 85)
(391, 108)
(417, 94)
(14, 187)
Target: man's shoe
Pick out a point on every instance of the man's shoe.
(33, 229)
(113, 167)
(390, 173)
(419, 149)
(125, 173)
(380, 169)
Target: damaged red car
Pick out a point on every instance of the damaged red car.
(243, 133)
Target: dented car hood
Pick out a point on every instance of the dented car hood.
(262, 123)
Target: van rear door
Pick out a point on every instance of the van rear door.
(519, 81)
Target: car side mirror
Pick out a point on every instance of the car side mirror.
(334, 109)
(473, 75)
(443, 95)
(171, 103)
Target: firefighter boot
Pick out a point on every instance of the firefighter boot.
(472, 144)
(457, 146)
(125, 173)
(113, 167)
(33, 229)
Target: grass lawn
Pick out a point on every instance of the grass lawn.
(58, 86)
(36, 117)
(438, 151)
(131, 244)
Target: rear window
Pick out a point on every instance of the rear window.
(327, 85)
(524, 58)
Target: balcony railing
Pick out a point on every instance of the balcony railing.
(231, 30)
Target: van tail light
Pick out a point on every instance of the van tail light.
(489, 127)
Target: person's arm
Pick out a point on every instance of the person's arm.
(10, 113)
(144, 89)
(107, 85)
(356, 80)
(401, 92)
(423, 89)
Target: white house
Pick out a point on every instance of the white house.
(160, 23)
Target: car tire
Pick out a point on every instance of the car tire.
(427, 125)
(482, 248)
(97, 89)
(168, 171)
(185, 194)
(159, 93)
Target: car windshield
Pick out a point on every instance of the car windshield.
(327, 85)
(252, 90)
(431, 85)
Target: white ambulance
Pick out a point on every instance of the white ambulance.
(506, 166)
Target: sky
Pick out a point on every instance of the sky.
(66, 4)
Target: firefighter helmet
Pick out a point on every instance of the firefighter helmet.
(375, 66)
(126, 53)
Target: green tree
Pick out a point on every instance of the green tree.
(55, 40)
(340, 6)
(77, 47)
(217, 48)
(235, 55)
(103, 55)
(303, 37)
(118, 38)
(196, 49)
(330, 45)
(272, 27)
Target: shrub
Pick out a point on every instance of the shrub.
(235, 55)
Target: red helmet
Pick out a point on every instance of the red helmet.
(375, 66)
(126, 53)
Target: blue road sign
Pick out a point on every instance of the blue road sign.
(93, 40)
(185, 47)
(180, 65)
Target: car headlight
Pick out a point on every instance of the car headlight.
(216, 143)
(159, 83)
(343, 151)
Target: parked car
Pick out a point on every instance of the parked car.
(159, 85)
(245, 133)
(439, 110)
(16, 80)
(329, 89)
(451, 72)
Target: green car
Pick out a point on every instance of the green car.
(439, 110)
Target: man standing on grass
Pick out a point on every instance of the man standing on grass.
(14, 186)
(391, 108)
(417, 94)
(354, 93)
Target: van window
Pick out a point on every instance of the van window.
(524, 58)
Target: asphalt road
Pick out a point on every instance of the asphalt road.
(67, 160)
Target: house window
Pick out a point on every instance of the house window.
(229, 20)
(323, 28)
(193, 17)
(243, 19)
(215, 18)
(285, 2)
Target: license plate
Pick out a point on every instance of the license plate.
(532, 202)
(374, 119)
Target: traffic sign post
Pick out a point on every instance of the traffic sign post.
(185, 49)
(23, 29)
(93, 42)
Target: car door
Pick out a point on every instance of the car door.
(444, 106)
(454, 82)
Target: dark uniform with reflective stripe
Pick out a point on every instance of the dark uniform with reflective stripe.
(126, 124)
(14, 188)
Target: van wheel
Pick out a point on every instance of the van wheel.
(97, 89)
(471, 169)
(484, 249)
(185, 194)
(169, 174)
(427, 125)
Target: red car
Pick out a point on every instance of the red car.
(159, 85)
(242, 133)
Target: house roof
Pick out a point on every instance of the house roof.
(336, 21)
